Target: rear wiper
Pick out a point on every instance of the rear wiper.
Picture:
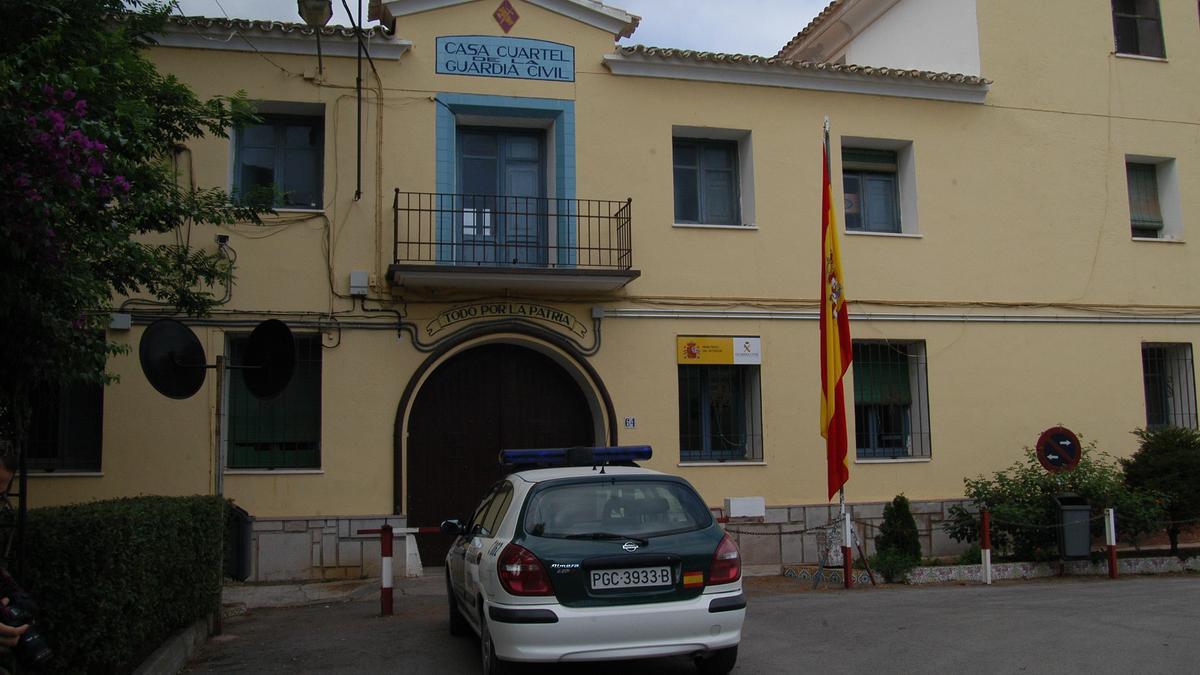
(608, 535)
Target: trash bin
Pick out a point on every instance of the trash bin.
(1075, 527)
(237, 543)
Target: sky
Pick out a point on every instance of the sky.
(731, 26)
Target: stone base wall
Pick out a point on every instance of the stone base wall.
(788, 535)
(1073, 568)
(317, 549)
(325, 549)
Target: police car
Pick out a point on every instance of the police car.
(593, 558)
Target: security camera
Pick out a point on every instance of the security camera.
(222, 239)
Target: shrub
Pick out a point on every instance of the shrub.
(972, 556)
(894, 565)
(1168, 461)
(897, 546)
(113, 579)
(1025, 513)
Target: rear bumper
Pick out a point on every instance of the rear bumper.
(557, 633)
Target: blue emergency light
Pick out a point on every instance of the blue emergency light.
(576, 456)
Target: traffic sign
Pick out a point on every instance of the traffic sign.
(1058, 449)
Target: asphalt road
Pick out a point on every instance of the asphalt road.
(1132, 625)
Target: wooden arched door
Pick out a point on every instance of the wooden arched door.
(483, 400)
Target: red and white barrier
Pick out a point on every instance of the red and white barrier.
(985, 546)
(1110, 538)
(412, 558)
(847, 573)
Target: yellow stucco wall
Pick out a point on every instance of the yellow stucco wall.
(1021, 204)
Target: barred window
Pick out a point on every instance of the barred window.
(891, 400)
(1169, 380)
(720, 413)
(279, 433)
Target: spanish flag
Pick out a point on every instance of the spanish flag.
(836, 350)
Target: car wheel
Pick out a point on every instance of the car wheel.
(458, 622)
(487, 648)
(718, 663)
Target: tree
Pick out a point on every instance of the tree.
(897, 546)
(90, 207)
(1168, 461)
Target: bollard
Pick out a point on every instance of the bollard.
(847, 573)
(385, 575)
(985, 546)
(1110, 538)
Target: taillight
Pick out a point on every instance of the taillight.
(521, 573)
(726, 564)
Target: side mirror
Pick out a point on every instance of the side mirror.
(452, 526)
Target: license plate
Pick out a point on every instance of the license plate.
(636, 577)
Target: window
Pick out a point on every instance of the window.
(720, 413)
(65, 431)
(280, 161)
(637, 508)
(1153, 190)
(891, 400)
(872, 193)
(1170, 383)
(1137, 26)
(279, 433)
(706, 181)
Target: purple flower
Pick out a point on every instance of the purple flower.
(22, 181)
(68, 94)
(104, 191)
(94, 167)
(74, 181)
(81, 108)
(120, 183)
(31, 121)
(48, 90)
(50, 233)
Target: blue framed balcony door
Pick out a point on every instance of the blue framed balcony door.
(503, 217)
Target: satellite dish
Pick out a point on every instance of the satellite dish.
(270, 359)
(172, 359)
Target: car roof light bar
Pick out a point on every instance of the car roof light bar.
(576, 456)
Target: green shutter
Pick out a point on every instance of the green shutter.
(1144, 211)
(865, 159)
(881, 375)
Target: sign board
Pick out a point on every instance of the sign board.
(1058, 449)
(505, 310)
(718, 350)
(496, 56)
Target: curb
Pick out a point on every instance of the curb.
(174, 654)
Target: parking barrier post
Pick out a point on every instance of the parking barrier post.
(385, 575)
(1110, 538)
(985, 545)
(847, 572)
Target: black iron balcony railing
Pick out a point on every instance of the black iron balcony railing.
(507, 231)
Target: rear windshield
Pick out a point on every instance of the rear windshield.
(626, 508)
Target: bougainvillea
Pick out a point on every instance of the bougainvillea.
(90, 207)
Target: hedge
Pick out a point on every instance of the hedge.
(114, 579)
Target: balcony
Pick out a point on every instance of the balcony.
(504, 242)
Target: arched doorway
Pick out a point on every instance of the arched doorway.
(473, 405)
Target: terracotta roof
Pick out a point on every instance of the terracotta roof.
(779, 64)
(812, 26)
(282, 27)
